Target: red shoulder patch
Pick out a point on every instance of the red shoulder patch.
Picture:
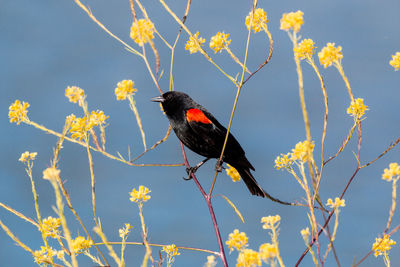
(197, 115)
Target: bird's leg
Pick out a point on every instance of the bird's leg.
(218, 166)
(191, 170)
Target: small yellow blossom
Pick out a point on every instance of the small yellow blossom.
(210, 261)
(51, 173)
(123, 232)
(49, 227)
(26, 156)
(338, 203)
(292, 21)
(383, 245)
(357, 108)
(171, 250)
(140, 195)
(270, 221)
(237, 240)
(219, 41)
(98, 118)
(142, 31)
(330, 54)
(125, 89)
(305, 233)
(392, 172)
(60, 254)
(74, 93)
(268, 252)
(302, 151)
(44, 255)
(283, 161)
(248, 258)
(18, 112)
(395, 62)
(305, 49)
(194, 43)
(259, 20)
(233, 173)
(79, 127)
(80, 244)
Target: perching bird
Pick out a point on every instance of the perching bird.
(203, 134)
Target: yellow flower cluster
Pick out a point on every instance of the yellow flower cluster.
(283, 161)
(26, 156)
(258, 21)
(303, 151)
(248, 258)
(305, 49)
(268, 252)
(330, 54)
(357, 108)
(305, 233)
(44, 255)
(395, 62)
(220, 41)
(271, 222)
(123, 232)
(98, 118)
(18, 112)
(194, 43)
(383, 245)
(142, 31)
(49, 227)
(124, 89)
(171, 250)
(140, 195)
(80, 126)
(338, 203)
(233, 173)
(80, 244)
(51, 173)
(392, 172)
(237, 240)
(292, 21)
(74, 93)
(210, 261)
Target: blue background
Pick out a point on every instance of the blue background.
(49, 45)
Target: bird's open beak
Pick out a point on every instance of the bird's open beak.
(158, 99)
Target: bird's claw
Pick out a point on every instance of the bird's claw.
(218, 166)
(189, 171)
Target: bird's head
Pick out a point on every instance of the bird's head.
(174, 101)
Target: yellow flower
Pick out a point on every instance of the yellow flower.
(305, 49)
(142, 31)
(80, 244)
(270, 221)
(237, 240)
(393, 171)
(210, 261)
(357, 108)
(330, 54)
(124, 89)
(292, 21)
(302, 151)
(44, 255)
(283, 161)
(248, 258)
(194, 43)
(98, 118)
(74, 93)
(395, 62)
(51, 173)
(18, 111)
(49, 227)
(219, 41)
(140, 195)
(26, 156)
(79, 127)
(338, 203)
(125, 231)
(383, 245)
(233, 173)
(171, 250)
(305, 233)
(267, 252)
(257, 22)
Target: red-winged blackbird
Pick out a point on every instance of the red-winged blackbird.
(203, 134)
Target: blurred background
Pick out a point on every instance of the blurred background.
(49, 45)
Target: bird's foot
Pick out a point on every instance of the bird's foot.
(189, 171)
(218, 166)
